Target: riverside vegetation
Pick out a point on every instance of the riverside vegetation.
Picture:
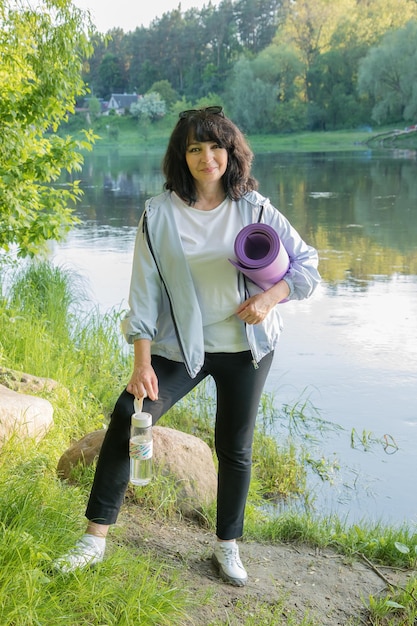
(44, 332)
(126, 135)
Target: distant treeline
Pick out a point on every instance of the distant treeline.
(277, 65)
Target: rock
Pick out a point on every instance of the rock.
(190, 461)
(84, 451)
(23, 415)
(25, 383)
(185, 457)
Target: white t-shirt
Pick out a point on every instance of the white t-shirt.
(208, 241)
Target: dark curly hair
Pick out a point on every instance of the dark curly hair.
(204, 125)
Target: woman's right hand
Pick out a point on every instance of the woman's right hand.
(143, 382)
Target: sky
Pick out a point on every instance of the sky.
(125, 14)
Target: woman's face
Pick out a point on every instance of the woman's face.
(206, 160)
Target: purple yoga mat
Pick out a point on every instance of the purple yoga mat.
(260, 255)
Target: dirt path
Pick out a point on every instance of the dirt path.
(321, 584)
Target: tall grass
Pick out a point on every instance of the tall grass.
(45, 330)
(48, 330)
(40, 518)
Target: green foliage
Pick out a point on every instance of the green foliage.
(111, 75)
(330, 38)
(166, 91)
(193, 51)
(290, 116)
(94, 108)
(38, 522)
(41, 290)
(150, 107)
(251, 100)
(304, 62)
(42, 51)
(377, 543)
(398, 607)
(278, 470)
(44, 331)
(279, 66)
(388, 75)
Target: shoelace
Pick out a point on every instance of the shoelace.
(231, 555)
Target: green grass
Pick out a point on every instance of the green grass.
(310, 141)
(39, 521)
(44, 332)
(127, 137)
(129, 140)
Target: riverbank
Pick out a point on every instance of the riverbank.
(124, 134)
(290, 583)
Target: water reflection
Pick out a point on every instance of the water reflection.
(352, 349)
(115, 189)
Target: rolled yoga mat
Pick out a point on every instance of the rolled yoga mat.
(260, 255)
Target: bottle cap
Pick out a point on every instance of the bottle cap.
(142, 420)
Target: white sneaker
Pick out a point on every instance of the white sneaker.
(226, 559)
(88, 551)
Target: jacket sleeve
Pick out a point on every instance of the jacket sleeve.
(145, 293)
(303, 275)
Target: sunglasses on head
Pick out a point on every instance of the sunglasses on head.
(216, 110)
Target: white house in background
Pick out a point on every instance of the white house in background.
(120, 102)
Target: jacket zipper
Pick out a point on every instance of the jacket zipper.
(148, 241)
(246, 294)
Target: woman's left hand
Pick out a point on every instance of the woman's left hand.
(255, 309)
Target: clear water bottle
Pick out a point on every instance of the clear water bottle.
(140, 449)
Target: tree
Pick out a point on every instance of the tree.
(251, 101)
(388, 74)
(149, 107)
(94, 108)
(257, 22)
(308, 29)
(111, 77)
(166, 91)
(280, 66)
(222, 48)
(330, 37)
(42, 51)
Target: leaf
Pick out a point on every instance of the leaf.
(401, 547)
(43, 47)
(394, 605)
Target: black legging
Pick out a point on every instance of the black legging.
(239, 387)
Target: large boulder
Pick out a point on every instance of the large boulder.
(23, 415)
(83, 452)
(186, 458)
(190, 461)
(25, 383)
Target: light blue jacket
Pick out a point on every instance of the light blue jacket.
(163, 302)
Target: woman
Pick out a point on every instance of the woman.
(193, 315)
